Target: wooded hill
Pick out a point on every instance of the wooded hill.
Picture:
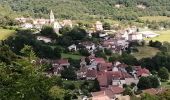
(91, 9)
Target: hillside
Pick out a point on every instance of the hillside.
(83, 9)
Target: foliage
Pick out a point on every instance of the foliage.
(165, 95)
(6, 56)
(100, 53)
(85, 9)
(128, 91)
(25, 37)
(48, 31)
(84, 52)
(163, 74)
(148, 82)
(106, 26)
(89, 86)
(149, 97)
(69, 73)
(144, 83)
(23, 80)
(108, 52)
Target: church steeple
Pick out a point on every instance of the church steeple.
(52, 18)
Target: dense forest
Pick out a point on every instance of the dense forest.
(83, 9)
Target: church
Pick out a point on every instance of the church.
(38, 23)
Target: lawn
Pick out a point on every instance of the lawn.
(155, 18)
(77, 57)
(5, 33)
(145, 52)
(165, 84)
(164, 36)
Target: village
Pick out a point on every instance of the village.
(112, 76)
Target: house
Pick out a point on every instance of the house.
(116, 90)
(142, 72)
(103, 95)
(131, 80)
(97, 61)
(149, 34)
(45, 39)
(119, 5)
(102, 79)
(116, 78)
(91, 74)
(101, 35)
(154, 91)
(135, 37)
(99, 26)
(109, 93)
(66, 23)
(27, 26)
(141, 6)
(105, 66)
(56, 26)
(81, 74)
(72, 47)
(59, 65)
(90, 46)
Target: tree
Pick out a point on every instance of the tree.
(77, 33)
(114, 57)
(84, 52)
(144, 83)
(163, 74)
(68, 73)
(6, 55)
(57, 93)
(96, 86)
(148, 82)
(149, 97)
(108, 52)
(28, 52)
(69, 85)
(154, 81)
(128, 91)
(129, 59)
(48, 31)
(64, 30)
(100, 53)
(106, 26)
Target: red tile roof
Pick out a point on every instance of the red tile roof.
(116, 89)
(99, 60)
(142, 71)
(102, 78)
(107, 92)
(122, 65)
(91, 73)
(154, 91)
(105, 66)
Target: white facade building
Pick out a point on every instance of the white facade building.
(99, 26)
(45, 39)
(135, 37)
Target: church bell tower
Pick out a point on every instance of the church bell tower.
(52, 18)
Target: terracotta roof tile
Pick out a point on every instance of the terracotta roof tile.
(91, 73)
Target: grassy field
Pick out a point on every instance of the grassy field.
(145, 51)
(63, 55)
(155, 18)
(4, 33)
(164, 36)
(166, 84)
